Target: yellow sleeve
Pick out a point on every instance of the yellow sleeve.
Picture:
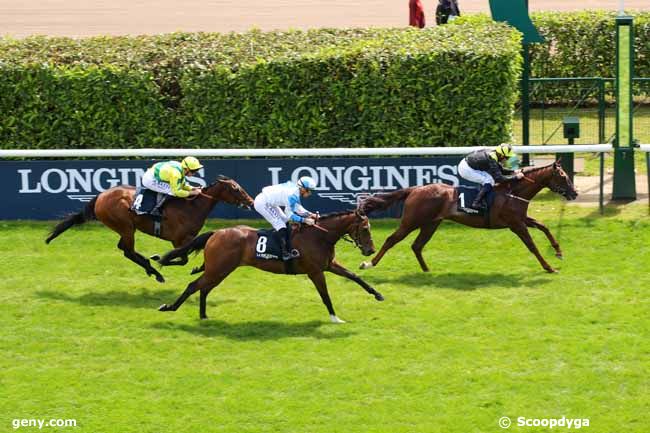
(177, 185)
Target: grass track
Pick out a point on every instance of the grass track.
(486, 334)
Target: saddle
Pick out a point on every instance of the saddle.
(466, 195)
(144, 203)
(145, 200)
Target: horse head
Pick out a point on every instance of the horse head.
(560, 182)
(229, 191)
(359, 231)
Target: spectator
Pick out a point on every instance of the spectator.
(447, 10)
(416, 14)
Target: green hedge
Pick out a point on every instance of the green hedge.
(583, 44)
(451, 86)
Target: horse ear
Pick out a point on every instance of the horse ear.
(222, 177)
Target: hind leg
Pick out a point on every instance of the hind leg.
(205, 291)
(393, 239)
(127, 244)
(426, 232)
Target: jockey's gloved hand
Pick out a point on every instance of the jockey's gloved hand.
(309, 221)
(519, 175)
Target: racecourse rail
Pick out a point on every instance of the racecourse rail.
(328, 151)
(306, 152)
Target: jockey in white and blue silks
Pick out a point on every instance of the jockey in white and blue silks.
(279, 204)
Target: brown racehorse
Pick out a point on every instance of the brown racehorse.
(182, 218)
(227, 249)
(426, 206)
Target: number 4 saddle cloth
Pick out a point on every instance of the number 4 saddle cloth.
(466, 195)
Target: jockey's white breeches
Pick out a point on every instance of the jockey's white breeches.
(473, 175)
(273, 214)
(149, 181)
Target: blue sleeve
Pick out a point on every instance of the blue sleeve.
(294, 201)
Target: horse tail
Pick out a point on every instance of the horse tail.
(196, 244)
(382, 201)
(87, 214)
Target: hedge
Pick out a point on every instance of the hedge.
(583, 44)
(451, 86)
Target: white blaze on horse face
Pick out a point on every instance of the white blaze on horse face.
(335, 319)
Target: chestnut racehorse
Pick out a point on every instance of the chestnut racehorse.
(230, 248)
(181, 221)
(426, 206)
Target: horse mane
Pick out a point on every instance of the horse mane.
(220, 178)
(335, 214)
(533, 169)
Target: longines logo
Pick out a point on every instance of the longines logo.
(83, 184)
(353, 183)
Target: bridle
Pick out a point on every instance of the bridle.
(355, 236)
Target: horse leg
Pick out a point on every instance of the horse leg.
(418, 244)
(338, 269)
(205, 291)
(522, 231)
(321, 285)
(393, 239)
(127, 244)
(191, 288)
(198, 269)
(531, 222)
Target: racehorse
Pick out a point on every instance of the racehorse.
(426, 206)
(227, 249)
(182, 218)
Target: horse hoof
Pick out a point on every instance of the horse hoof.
(195, 271)
(559, 256)
(335, 319)
(160, 278)
(552, 271)
(365, 265)
(379, 296)
(204, 318)
(163, 307)
(155, 257)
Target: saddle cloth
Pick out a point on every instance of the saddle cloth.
(466, 195)
(145, 200)
(267, 246)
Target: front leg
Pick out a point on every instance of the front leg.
(319, 281)
(531, 222)
(336, 268)
(522, 231)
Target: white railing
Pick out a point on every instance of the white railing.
(332, 151)
(644, 147)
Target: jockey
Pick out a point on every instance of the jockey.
(484, 167)
(169, 178)
(286, 195)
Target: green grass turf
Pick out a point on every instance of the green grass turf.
(486, 334)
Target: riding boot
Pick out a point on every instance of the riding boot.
(156, 212)
(478, 202)
(285, 244)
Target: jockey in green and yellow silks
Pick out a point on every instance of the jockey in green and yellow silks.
(169, 178)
